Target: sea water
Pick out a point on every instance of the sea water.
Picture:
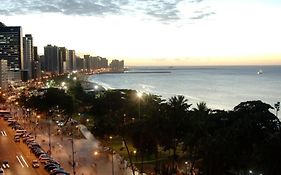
(221, 87)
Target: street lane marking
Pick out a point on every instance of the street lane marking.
(3, 133)
(19, 161)
(24, 161)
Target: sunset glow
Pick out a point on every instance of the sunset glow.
(210, 32)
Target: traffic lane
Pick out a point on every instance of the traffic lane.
(24, 148)
(30, 157)
(26, 151)
(17, 161)
(18, 154)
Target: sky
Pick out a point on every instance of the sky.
(155, 32)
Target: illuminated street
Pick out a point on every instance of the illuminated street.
(87, 163)
(17, 154)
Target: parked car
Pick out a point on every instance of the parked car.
(52, 167)
(17, 139)
(56, 169)
(1, 171)
(60, 173)
(49, 165)
(35, 164)
(5, 164)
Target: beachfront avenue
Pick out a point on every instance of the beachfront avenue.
(145, 133)
(20, 156)
(17, 154)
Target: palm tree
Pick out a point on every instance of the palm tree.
(202, 108)
(197, 132)
(176, 117)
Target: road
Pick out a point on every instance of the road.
(17, 153)
(87, 162)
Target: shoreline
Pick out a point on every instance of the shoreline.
(218, 88)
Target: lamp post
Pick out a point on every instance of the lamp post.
(277, 107)
(112, 160)
(36, 124)
(186, 166)
(49, 125)
(73, 152)
(139, 95)
(135, 153)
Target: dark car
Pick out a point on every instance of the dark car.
(51, 167)
(52, 162)
(59, 172)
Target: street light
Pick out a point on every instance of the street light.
(73, 152)
(38, 117)
(186, 168)
(139, 95)
(49, 125)
(135, 153)
(36, 124)
(96, 153)
(112, 161)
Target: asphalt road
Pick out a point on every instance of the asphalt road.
(16, 153)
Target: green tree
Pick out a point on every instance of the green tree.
(196, 132)
(50, 99)
(175, 123)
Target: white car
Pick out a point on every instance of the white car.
(35, 164)
(1, 171)
(5, 164)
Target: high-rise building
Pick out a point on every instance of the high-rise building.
(11, 49)
(117, 66)
(72, 60)
(3, 74)
(96, 62)
(28, 55)
(87, 62)
(36, 67)
(42, 63)
(51, 59)
(103, 63)
(63, 60)
(80, 63)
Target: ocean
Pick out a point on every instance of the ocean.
(221, 87)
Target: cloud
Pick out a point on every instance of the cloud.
(202, 15)
(195, 1)
(162, 10)
(68, 7)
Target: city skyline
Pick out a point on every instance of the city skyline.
(174, 32)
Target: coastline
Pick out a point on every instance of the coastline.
(220, 87)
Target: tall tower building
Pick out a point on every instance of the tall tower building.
(28, 55)
(11, 49)
(3, 74)
(96, 62)
(117, 66)
(72, 60)
(79, 63)
(63, 60)
(51, 59)
(103, 63)
(87, 63)
(36, 66)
